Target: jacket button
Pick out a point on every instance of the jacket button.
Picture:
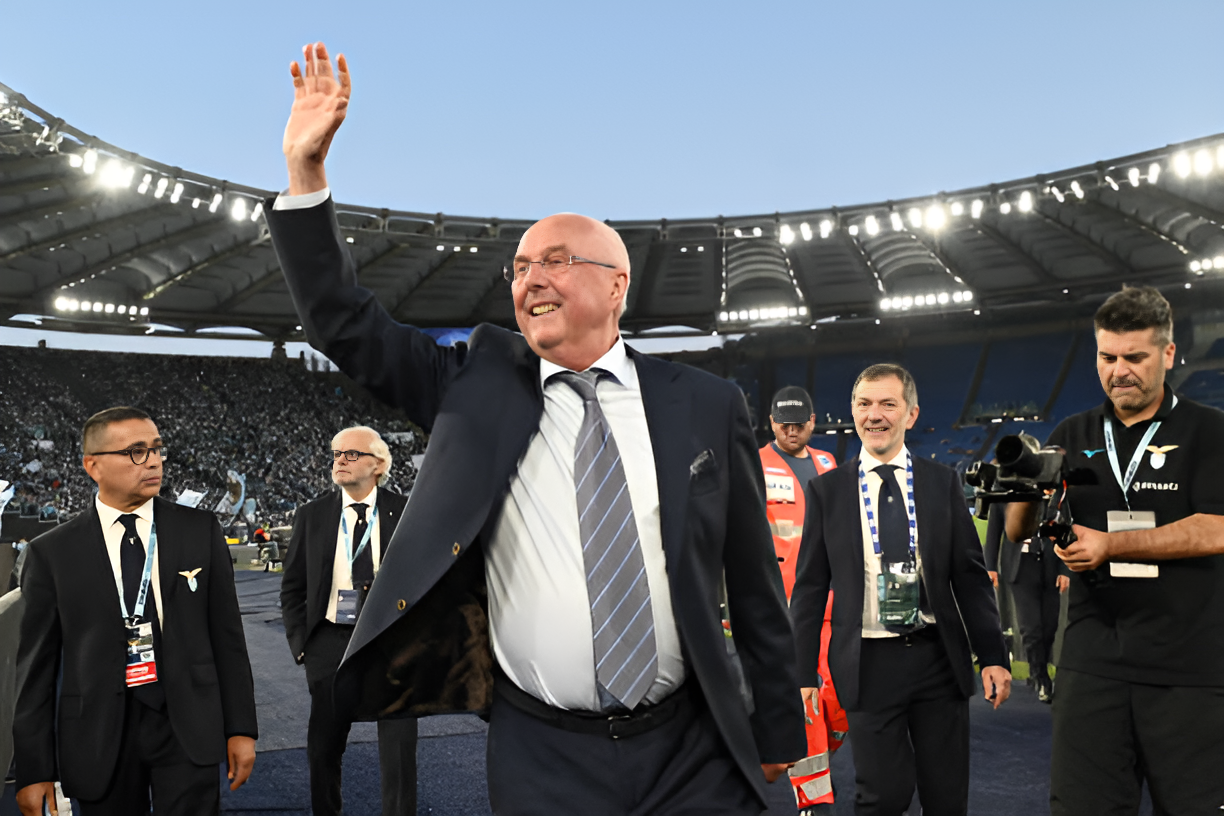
(401, 605)
(455, 549)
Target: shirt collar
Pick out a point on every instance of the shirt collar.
(615, 361)
(108, 515)
(870, 463)
(370, 499)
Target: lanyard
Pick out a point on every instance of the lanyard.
(1112, 448)
(143, 594)
(348, 539)
(910, 511)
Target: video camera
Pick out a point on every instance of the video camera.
(1027, 472)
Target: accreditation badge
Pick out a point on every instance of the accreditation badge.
(346, 605)
(141, 663)
(779, 487)
(1120, 521)
(897, 586)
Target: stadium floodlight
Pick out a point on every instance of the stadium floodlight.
(144, 311)
(957, 208)
(61, 303)
(756, 232)
(1026, 201)
(117, 174)
(792, 312)
(737, 232)
(1218, 262)
(258, 211)
(1113, 184)
(943, 298)
(122, 309)
(90, 162)
(743, 314)
(754, 314)
(440, 248)
(1058, 194)
(907, 302)
(144, 183)
(826, 228)
(1153, 172)
(1181, 165)
(160, 189)
(786, 235)
(215, 203)
(97, 305)
(85, 305)
(473, 249)
(1196, 266)
(701, 248)
(75, 160)
(1077, 189)
(872, 225)
(803, 311)
(885, 304)
(852, 229)
(936, 217)
(895, 218)
(1005, 207)
(1207, 264)
(195, 203)
(73, 305)
(722, 316)
(957, 297)
(458, 249)
(975, 209)
(177, 193)
(968, 296)
(931, 300)
(109, 308)
(239, 211)
(915, 217)
(1132, 175)
(1202, 162)
(805, 229)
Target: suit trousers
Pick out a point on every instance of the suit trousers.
(327, 735)
(1111, 735)
(680, 767)
(150, 757)
(1035, 592)
(911, 728)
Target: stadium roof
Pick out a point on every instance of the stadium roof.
(95, 238)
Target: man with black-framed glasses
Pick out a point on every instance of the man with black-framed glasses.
(337, 547)
(137, 594)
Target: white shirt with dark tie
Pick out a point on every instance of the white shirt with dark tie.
(113, 532)
(342, 570)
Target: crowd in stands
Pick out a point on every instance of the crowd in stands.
(270, 420)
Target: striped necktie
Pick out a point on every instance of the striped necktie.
(626, 660)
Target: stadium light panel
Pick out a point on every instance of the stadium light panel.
(97, 306)
(756, 232)
(177, 193)
(1077, 189)
(1005, 207)
(109, 308)
(975, 209)
(122, 309)
(872, 225)
(85, 305)
(144, 311)
(61, 303)
(1153, 172)
(915, 217)
(1203, 164)
(957, 208)
(1113, 184)
(957, 297)
(90, 162)
(968, 296)
(754, 314)
(786, 235)
(1181, 165)
(1207, 264)
(737, 232)
(805, 229)
(1132, 175)
(743, 315)
(852, 229)
(897, 223)
(440, 248)
(458, 249)
(73, 305)
(803, 311)
(943, 298)
(1196, 266)
(885, 304)
(75, 160)
(144, 183)
(473, 249)
(117, 174)
(1218, 262)
(239, 211)
(1026, 202)
(258, 211)
(722, 316)
(936, 217)
(826, 228)
(215, 203)
(1058, 194)
(792, 312)
(160, 189)
(195, 203)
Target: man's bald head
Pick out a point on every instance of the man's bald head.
(590, 232)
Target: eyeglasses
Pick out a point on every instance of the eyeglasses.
(139, 454)
(519, 269)
(350, 455)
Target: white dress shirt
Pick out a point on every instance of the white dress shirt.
(872, 628)
(284, 201)
(539, 609)
(342, 570)
(113, 532)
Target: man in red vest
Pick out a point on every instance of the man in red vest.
(789, 463)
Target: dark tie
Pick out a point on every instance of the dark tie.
(622, 619)
(132, 555)
(363, 564)
(892, 519)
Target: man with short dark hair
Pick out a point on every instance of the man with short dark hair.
(134, 681)
(337, 548)
(891, 535)
(1140, 683)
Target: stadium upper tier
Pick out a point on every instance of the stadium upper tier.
(95, 238)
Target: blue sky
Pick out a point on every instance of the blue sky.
(634, 109)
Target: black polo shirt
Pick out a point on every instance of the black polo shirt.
(1167, 630)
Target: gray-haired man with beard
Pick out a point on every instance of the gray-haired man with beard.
(337, 547)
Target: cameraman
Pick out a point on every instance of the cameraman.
(1141, 674)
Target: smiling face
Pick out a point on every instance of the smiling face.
(1132, 366)
(881, 416)
(570, 317)
(121, 484)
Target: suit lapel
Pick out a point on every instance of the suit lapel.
(96, 560)
(924, 513)
(167, 555)
(326, 542)
(386, 521)
(667, 417)
(852, 518)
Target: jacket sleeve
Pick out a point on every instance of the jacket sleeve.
(295, 586)
(811, 593)
(228, 642)
(401, 365)
(38, 659)
(757, 603)
(975, 596)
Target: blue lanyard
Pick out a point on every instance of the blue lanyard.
(348, 539)
(1112, 448)
(910, 510)
(145, 579)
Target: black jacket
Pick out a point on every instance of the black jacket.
(954, 577)
(307, 579)
(73, 624)
(422, 643)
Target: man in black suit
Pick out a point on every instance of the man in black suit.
(1035, 577)
(131, 611)
(892, 536)
(579, 511)
(337, 547)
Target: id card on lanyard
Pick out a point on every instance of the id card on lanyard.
(141, 661)
(348, 601)
(897, 585)
(1123, 520)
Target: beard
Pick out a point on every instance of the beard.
(1140, 398)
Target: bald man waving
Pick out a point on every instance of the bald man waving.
(577, 515)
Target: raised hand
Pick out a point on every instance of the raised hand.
(320, 102)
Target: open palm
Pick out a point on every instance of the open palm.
(320, 102)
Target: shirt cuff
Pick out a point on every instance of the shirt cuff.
(284, 201)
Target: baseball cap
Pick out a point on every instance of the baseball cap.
(791, 404)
